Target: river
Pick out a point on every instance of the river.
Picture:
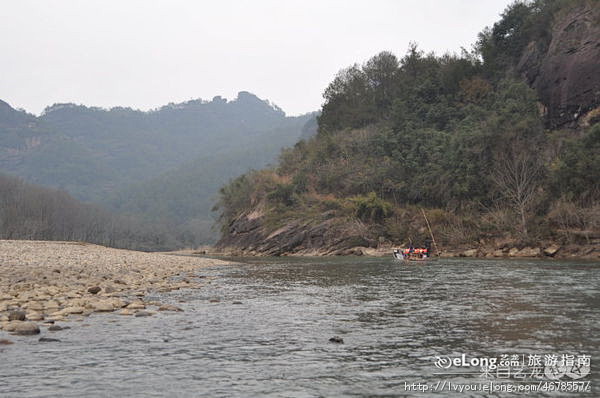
(263, 328)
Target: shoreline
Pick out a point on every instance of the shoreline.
(43, 283)
(545, 251)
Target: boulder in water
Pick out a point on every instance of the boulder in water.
(48, 340)
(169, 307)
(16, 316)
(26, 328)
(55, 328)
(143, 313)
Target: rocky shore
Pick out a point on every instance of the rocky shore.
(546, 250)
(251, 235)
(44, 284)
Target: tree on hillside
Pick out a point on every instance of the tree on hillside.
(517, 174)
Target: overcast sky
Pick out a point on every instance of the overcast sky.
(144, 53)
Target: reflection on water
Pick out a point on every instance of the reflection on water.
(394, 319)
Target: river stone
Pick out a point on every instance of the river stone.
(470, 253)
(169, 307)
(26, 295)
(48, 340)
(77, 302)
(94, 289)
(109, 289)
(55, 328)
(52, 290)
(16, 316)
(551, 250)
(126, 311)
(26, 328)
(51, 305)
(513, 252)
(4, 297)
(337, 340)
(103, 306)
(498, 253)
(35, 316)
(144, 313)
(73, 310)
(56, 313)
(529, 252)
(5, 342)
(35, 306)
(118, 303)
(8, 326)
(136, 305)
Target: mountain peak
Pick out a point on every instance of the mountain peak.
(10, 115)
(59, 106)
(247, 98)
(5, 105)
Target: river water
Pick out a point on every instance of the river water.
(268, 333)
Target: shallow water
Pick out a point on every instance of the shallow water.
(394, 319)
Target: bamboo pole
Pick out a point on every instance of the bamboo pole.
(431, 233)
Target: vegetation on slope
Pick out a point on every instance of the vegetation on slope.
(163, 167)
(28, 211)
(461, 135)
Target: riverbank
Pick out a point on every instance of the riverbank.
(255, 234)
(45, 283)
(543, 250)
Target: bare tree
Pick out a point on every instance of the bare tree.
(28, 211)
(516, 174)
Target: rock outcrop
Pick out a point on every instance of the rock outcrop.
(566, 72)
(249, 234)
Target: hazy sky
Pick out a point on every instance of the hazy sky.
(144, 53)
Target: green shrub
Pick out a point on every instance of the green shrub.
(283, 194)
(370, 208)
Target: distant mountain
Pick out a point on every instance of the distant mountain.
(109, 155)
(186, 195)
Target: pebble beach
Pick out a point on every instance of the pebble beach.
(47, 284)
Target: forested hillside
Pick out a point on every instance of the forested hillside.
(499, 145)
(184, 197)
(28, 212)
(163, 166)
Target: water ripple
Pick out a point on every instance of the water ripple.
(394, 320)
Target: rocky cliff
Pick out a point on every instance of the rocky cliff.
(249, 234)
(566, 72)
